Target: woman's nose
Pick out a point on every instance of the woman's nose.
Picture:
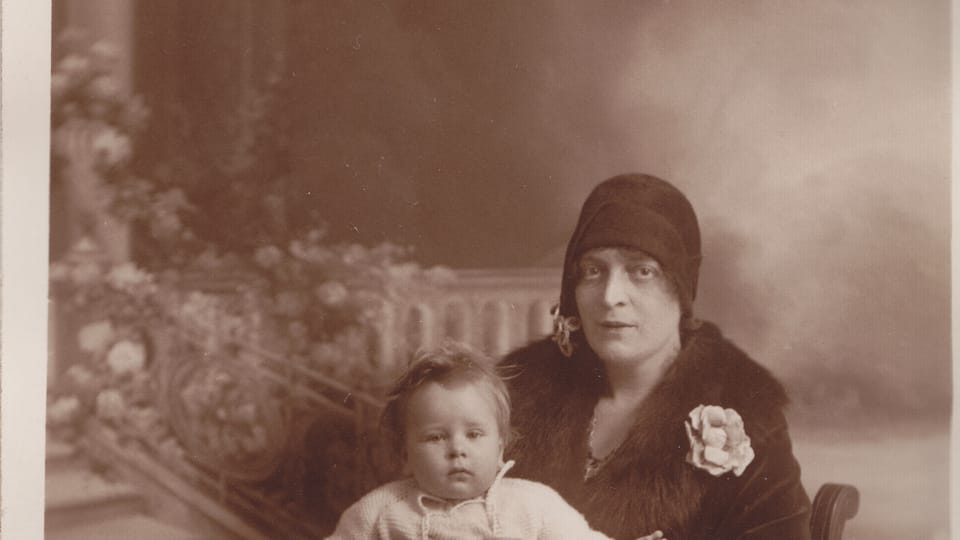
(614, 292)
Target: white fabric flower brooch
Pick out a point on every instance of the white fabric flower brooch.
(718, 442)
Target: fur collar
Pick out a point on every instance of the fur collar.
(646, 484)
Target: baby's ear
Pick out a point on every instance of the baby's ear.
(500, 461)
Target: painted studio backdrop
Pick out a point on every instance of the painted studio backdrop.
(260, 209)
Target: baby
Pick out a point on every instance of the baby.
(448, 417)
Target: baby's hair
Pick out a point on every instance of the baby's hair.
(453, 361)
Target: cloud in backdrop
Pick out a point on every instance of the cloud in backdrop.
(812, 137)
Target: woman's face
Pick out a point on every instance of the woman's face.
(629, 308)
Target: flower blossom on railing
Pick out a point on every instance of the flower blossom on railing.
(129, 279)
(218, 319)
(312, 304)
(63, 411)
(94, 338)
(127, 356)
(117, 304)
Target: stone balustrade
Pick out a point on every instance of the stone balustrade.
(323, 449)
(493, 310)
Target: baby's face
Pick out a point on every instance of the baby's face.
(453, 443)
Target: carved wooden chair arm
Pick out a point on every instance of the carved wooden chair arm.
(833, 506)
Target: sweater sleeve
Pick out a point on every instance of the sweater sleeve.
(359, 521)
(562, 521)
(767, 502)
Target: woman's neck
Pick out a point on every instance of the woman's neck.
(629, 383)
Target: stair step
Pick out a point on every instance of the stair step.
(77, 496)
(140, 527)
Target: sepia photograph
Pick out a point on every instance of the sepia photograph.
(540, 269)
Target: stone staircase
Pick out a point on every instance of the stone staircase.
(86, 501)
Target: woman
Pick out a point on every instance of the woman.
(640, 416)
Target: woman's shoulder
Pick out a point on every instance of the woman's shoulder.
(729, 363)
(533, 497)
(734, 378)
(540, 367)
(534, 355)
(530, 363)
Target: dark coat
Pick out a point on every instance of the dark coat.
(646, 484)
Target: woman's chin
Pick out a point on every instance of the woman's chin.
(617, 353)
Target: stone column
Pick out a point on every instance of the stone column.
(76, 196)
(109, 21)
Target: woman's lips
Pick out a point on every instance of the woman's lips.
(615, 324)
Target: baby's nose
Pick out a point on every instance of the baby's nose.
(456, 449)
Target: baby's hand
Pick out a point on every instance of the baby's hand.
(656, 535)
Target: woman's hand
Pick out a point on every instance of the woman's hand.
(655, 535)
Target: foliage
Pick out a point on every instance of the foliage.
(110, 376)
(309, 303)
(96, 124)
(225, 268)
(229, 159)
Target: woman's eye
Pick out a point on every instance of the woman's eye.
(589, 271)
(644, 271)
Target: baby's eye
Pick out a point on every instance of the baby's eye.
(433, 437)
(474, 434)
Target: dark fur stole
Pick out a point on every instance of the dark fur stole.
(646, 484)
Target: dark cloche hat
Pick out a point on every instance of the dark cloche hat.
(638, 211)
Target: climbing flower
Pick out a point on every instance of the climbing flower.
(268, 256)
(110, 404)
(85, 273)
(59, 271)
(95, 337)
(59, 85)
(112, 146)
(73, 65)
(105, 51)
(331, 293)
(290, 303)
(104, 88)
(127, 357)
(63, 410)
(128, 278)
(80, 375)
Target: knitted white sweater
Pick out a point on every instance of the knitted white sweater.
(511, 508)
